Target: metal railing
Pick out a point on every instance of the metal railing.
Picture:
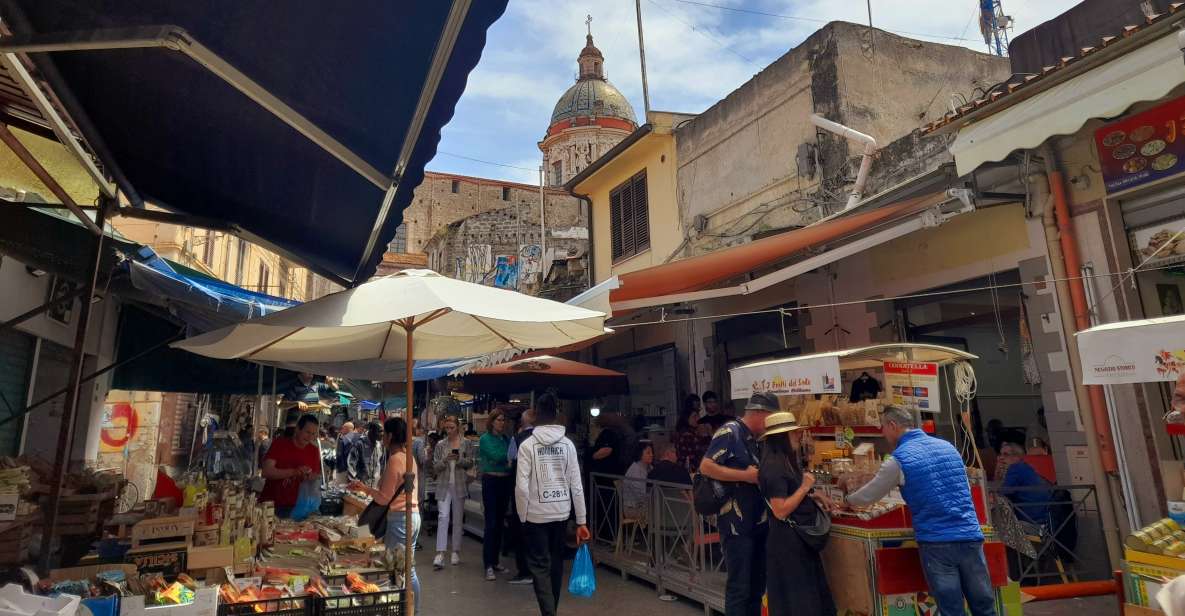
(1058, 533)
(658, 537)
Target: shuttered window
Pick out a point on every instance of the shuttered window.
(629, 217)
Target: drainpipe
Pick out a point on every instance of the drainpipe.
(1041, 186)
(589, 274)
(1073, 263)
(865, 162)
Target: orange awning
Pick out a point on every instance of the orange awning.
(700, 272)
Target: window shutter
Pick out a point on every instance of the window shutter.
(615, 222)
(629, 244)
(641, 214)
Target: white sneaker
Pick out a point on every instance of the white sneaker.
(500, 569)
(456, 558)
(438, 562)
(490, 577)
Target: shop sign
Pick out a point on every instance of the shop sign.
(817, 375)
(1143, 148)
(1142, 354)
(913, 385)
(1159, 244)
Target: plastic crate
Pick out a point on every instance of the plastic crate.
(286, 606)
(382, 603)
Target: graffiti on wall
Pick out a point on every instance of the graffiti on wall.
(506, 272)
(530, 259)
(479, 263)
(121, 423)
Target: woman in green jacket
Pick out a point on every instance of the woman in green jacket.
(497, 487)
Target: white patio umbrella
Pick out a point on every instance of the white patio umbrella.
(415, 314)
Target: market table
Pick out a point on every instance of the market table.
(873, 566)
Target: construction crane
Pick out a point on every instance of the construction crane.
(994, 25)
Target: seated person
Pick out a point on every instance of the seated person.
(667, 468)
(633, 487)
(1031, 505)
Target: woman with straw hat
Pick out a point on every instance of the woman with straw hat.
(796, 582)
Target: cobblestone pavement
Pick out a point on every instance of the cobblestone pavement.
(463, 590)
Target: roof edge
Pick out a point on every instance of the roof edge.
(607, 157)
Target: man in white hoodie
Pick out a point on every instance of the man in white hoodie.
(547, 487)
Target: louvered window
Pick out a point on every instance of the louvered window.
(629, 218)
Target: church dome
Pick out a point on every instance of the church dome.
(593, 97)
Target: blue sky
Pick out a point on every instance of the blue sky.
(696, 54)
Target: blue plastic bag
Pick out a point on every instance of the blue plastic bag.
(308, 500)
(583, 582)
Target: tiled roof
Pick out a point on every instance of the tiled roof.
(1034, 82)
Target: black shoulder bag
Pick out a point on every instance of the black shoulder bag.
(815, 535)
(375, 516)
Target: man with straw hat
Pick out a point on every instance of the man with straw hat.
(732, 460)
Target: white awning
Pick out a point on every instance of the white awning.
(1145, 74)
(1133, 351)
(819, 373)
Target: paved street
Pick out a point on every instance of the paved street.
(462, 590)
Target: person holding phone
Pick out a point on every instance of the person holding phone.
(451, 459)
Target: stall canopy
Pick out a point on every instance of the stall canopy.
(690, 279)
(305, 126)
(1143, 351)
(1147, 73)
(569, 379)
(820, 373)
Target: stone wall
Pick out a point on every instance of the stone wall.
(502, 248)
(754, 163)
(435, 205)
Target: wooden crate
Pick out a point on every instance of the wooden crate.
(162, 530)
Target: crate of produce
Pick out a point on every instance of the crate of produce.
(304, 605)
(361, 594)
(381, 603)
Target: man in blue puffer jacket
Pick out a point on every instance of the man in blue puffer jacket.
(933, 482)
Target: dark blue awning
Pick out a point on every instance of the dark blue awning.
(303, 125)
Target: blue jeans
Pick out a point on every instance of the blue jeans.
(396, 538)
(955, 571)
(744, 557)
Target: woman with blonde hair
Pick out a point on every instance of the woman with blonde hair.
(451, 459)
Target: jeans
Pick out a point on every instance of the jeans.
(744, 556)
(545, 559)
(495, 498)
(396, 539)
(956, 570)
(451, 504)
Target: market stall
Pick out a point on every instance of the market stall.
(567, 379)
(872, 561)
(1144, 351)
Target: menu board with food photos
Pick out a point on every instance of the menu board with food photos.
(1143, 148)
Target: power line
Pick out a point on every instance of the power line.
(485, 162)
(704, 33)
(802, 308)
(809, 19)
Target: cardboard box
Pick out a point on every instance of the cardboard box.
(8, 506)
(168, 559)
(89, 573)
(161, 530)
(209, 557)
(205, 603)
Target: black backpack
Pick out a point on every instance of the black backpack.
(708, 496)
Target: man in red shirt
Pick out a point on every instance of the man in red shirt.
(289, 462)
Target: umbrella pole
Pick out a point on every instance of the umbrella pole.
(409, 476)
